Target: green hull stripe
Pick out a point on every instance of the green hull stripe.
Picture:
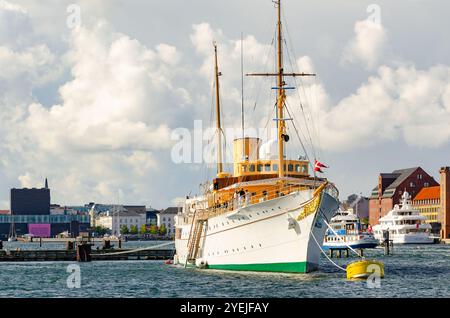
(296, 267)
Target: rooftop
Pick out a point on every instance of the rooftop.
(399, 176)
(171, 210)
(430, 193)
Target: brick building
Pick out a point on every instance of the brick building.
(428, 203)
(391, 186)
(444, 214)
(434, 204)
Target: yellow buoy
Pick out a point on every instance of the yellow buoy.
(363, 269)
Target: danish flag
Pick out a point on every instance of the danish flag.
(318, 165)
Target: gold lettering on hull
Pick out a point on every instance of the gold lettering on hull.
(310, 208)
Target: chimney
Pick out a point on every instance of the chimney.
(46, 183)
(444, 217)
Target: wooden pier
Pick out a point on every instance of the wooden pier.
(95, 255)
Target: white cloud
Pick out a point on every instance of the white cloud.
(108, 131)
(367, 47)
(4, 5)
(401, 103)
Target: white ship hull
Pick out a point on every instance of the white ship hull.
(274, 235)
(415, 238)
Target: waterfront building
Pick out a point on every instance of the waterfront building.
(152, 217)
(434, 204)
(56, 209)
(444, 214)
(31, 214)
(30, 201)
(167, 218)
(119, 216)
(390, 189)
(428, 203)
(359, 205)
(43, 225)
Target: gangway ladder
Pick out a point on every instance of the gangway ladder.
(194, 239)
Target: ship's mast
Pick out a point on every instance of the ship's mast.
(281, 96)
(218, 124)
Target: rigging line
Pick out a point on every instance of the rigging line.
(321, 249)
(266, 63)
(289, 57)
(318, 116)
(301, 105)
(301, 142)
(310, 113)
(342, 240)
(242, 87)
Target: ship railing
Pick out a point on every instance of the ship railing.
(249, 199)
(331, 189)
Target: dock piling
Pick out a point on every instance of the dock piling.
(84, 253)
(69, 245)
(106, 244)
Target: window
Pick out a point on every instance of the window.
(252, 168)
(244, 168)
(275, 167)
(297, 168)
(412, 184)
(426, 184)
(267, 167)
(290, 167)
(260, 168)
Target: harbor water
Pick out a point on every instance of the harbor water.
(412, 271)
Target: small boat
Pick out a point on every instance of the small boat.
(404, 224)
(350, 232)
(364, 268)
(12, 237)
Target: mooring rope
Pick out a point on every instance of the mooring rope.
(137, 250)
(342, 240)
(321, 249)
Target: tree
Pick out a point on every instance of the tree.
(100, 230)
(153, 229)
(162, 229)
(143, 229)
(124, 229)
(133, 229)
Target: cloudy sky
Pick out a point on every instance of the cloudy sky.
(92, 103)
